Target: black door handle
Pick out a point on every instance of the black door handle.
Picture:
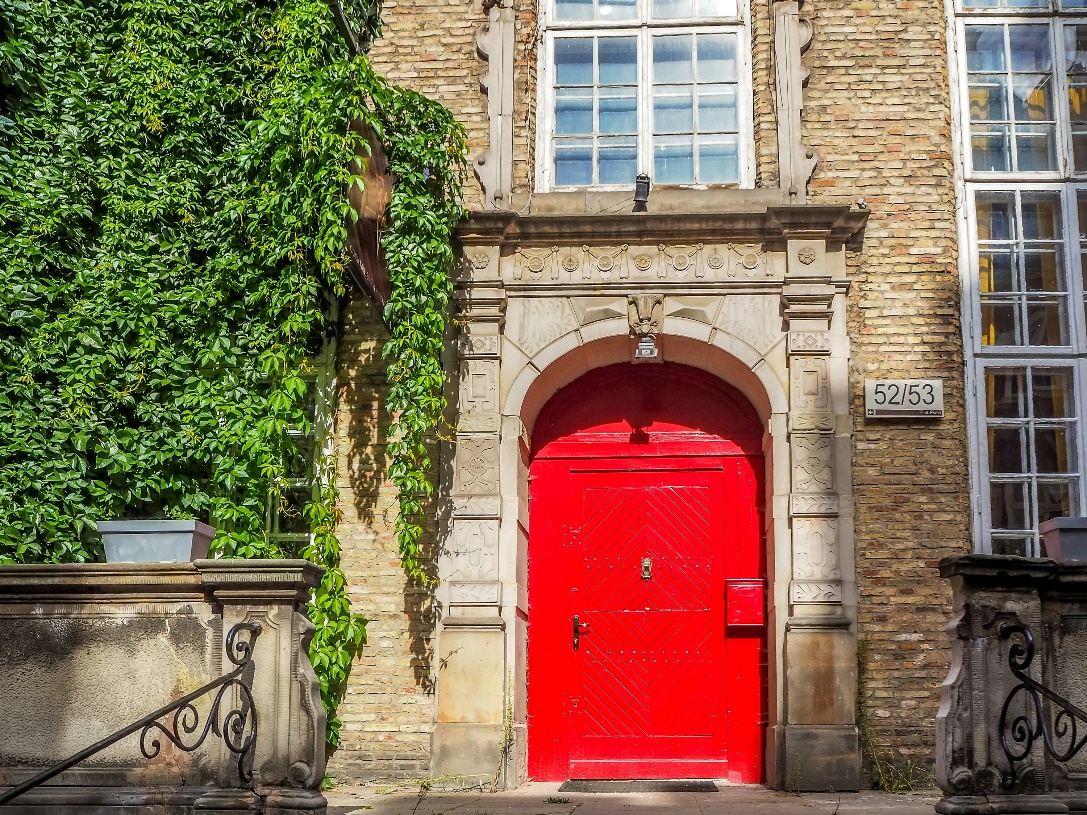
(579, 629)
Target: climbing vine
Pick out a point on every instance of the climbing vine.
(427, 158)
(173, 217)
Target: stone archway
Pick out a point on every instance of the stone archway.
(766, 317)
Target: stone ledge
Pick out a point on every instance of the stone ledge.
(771, 226)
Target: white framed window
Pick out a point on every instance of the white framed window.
(1021, 111)
(1030, 451)
(661, 87)
(1023, 88)
(307, 461)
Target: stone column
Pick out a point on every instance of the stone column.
(821, 748)
(471, 643)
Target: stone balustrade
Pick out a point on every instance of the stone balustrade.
(86, 649)
(996, 597)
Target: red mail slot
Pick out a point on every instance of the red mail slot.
(744, 602)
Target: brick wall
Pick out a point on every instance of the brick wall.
(389, 708)
(762, 69)
(429, 46)
(878, 113)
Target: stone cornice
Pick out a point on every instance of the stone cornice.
(228, 580)
(771, 227)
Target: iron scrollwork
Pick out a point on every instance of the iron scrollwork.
(237, 729)
(236, 722)
(1025, 729)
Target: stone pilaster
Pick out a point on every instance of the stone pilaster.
(821, 747)
(495, 43)
(471, 644)
(813, 501)
(792, 37)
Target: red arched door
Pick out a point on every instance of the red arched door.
(646, 654)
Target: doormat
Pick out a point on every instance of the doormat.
(576, 785)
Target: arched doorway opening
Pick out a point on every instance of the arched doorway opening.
(647, 567)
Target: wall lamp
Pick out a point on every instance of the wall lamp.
(641, 193)
(646, 349)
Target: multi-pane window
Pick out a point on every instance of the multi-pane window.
(1023, 105)
(1012, 116)
(1030, 429)
(305, 459)
(1023, 288)
(645, 86)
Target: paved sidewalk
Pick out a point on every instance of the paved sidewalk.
(545, 799)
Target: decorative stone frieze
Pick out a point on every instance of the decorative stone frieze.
(626, 262)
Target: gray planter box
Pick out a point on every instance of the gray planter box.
(155, 541)
(1064, 539)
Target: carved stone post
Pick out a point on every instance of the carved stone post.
(471, 646)
(796, 162)
(495, 43)
(821, 744)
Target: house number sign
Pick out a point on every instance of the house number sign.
(890, 398)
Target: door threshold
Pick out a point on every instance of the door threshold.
(639, 785)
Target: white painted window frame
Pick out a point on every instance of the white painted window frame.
(1078, 367)
(1068, 183)
(322, 432)
(643, 27)
(983, 357)
(1056, 24)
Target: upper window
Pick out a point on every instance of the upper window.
(645, 86)
(1026, 87)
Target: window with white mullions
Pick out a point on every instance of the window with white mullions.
(695, 109)
(645, 86)
(1030, 446)
(1021, 275)
(1013, 119)
(1075, 65)
(596, 110)
(1023, 141)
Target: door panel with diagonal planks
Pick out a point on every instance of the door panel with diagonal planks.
(639, 541)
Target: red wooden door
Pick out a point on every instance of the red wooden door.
(649, 534)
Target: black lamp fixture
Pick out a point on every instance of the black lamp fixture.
(641, 193)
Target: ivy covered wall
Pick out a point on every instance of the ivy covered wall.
(173, 217)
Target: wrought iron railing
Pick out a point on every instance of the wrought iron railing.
(238, 728)
(1061, 735)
